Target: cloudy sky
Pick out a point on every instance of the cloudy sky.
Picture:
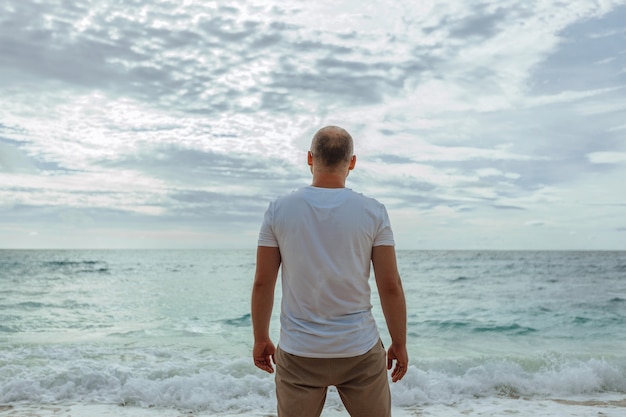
(172, 123)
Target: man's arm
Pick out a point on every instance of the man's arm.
(267, 264)
(394, 307)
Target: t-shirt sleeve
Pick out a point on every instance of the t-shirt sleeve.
(384, 237)
(266, 234)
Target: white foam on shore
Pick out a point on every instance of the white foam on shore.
(188, 379)
(98, 410)
(606, 405)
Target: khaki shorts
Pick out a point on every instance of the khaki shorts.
(361, 381)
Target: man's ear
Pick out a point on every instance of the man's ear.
(352, 163)
(309, 158)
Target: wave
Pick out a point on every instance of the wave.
(243, 321)
(508, 378)
(37, 306)
(514, 328)
(477, 327)
(79, 266)
(8, 329)
(192, 380)
(70, 263)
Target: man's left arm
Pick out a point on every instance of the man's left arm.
(393, 305)
(267, 264)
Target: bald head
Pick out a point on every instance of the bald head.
(332, 147)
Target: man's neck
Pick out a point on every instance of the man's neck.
(328, 180)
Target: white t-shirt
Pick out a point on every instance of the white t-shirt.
(325, 237)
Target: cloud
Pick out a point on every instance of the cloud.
(13, 160)
(535, 223)
(607, 157)
(192, 172)
(482, 24)
(191, 114)
(214, 60)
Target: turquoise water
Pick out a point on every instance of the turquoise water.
(172, 328)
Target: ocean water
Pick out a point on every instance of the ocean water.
(168, 333)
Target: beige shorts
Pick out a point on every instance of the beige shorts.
(302, 383)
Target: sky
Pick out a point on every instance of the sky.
(172, 124)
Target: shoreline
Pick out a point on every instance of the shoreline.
(490, 407)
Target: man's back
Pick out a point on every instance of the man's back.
(326, 237)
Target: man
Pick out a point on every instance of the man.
(325, 236)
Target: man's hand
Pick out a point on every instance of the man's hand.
(263, 354)
(400, 355)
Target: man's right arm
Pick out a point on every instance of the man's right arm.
(394, 307)
(267, 264)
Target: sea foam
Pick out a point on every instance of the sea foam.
(192, 380)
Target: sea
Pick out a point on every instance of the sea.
(167, 333)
